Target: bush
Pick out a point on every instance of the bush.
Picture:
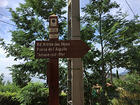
(129, 89)
(8, 93)
(131, 83)
(33, 94)
(37, 94)
(7, 98)
(127, 98)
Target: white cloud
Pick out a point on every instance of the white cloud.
(14, 3)
(134, 4)
(3, 3)
(5, 28)
(6, 62)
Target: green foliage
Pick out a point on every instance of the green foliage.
(36, 94)
(112, 92)
(63, 100)
(63, 80)
(8, 93)
(130, 83)
(19, 76)
(9, 88)
(132, 56)
(126, 98)
(8, 98)
(129, 90)
(33, 94)
(45, 8)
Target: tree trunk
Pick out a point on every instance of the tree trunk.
(117, 74)
(69, 83)
(69, 60)
(111, 79)
(103, 100)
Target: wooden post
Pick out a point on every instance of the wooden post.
(69, 60)
(53, 82)
(53, 64)
(76, 64)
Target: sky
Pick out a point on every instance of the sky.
(9, 25)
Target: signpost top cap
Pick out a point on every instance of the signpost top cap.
(53, 16)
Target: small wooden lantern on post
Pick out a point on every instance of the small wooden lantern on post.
(53, 27)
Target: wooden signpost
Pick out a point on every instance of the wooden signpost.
(55, 49)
